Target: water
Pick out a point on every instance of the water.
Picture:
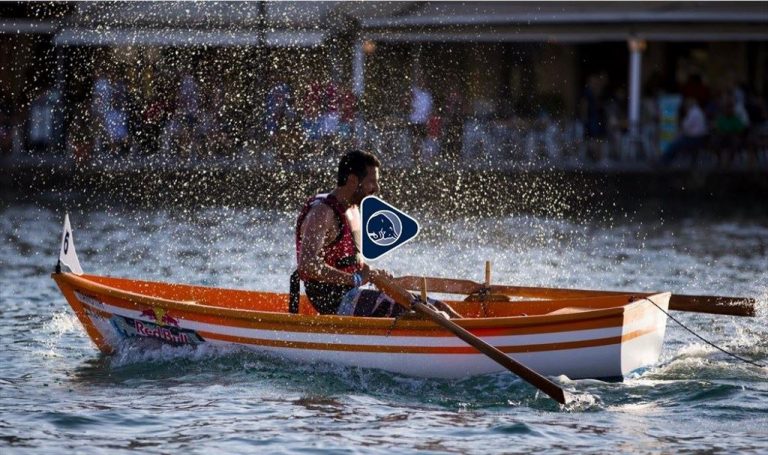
(58, 394)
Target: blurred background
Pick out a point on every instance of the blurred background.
(504, 86)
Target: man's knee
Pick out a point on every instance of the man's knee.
(368, 303)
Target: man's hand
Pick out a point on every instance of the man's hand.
(373, 273)
(365, 273)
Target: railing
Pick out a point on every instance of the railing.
(523, 144)
(484, 144)
(510, 144)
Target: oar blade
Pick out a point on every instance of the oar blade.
(405, 299)
(730, 306)
(545, 385)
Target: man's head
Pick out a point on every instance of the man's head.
(359, 172)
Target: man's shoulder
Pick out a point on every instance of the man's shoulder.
(318, 211)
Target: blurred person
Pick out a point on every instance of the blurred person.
(168, 141)
(330, 118)
(116, 119)
(278, 107)
(616, 121)
(739, 105)
(756, 108)
(280, 115)
(693, 136)
(154, 116)
(42, 119)
(453, 123)
(188, 115)
(312, 110)
(695, 88)
(729, 131)
(593, 114)
(6, 127)
(134, 103)
(79, 140)
(431, 143)
(421, 110)
(101, 100)
(347, 115)
(757, 134)
(217, 132)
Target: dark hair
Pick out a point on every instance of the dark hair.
(355, 162)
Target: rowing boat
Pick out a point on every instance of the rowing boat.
(586, 337)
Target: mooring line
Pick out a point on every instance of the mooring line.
(751, 362)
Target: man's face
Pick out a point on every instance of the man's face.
(367, 186)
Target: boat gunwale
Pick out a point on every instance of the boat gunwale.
(76, 281)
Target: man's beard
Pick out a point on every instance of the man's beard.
(358, 195)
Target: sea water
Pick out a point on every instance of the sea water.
(58, 394)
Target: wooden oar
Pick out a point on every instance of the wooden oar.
(733, 306)
(405, 299)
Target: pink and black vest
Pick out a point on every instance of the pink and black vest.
(341, 254)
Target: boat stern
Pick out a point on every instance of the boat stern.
(643, 334)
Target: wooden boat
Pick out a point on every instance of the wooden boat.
(586, 337)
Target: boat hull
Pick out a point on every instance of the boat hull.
(611, 339)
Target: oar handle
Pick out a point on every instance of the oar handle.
(405, 299)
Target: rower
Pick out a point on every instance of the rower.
(328, 239)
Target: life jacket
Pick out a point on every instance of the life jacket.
(340, 254)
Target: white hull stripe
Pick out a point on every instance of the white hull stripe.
(605, 361)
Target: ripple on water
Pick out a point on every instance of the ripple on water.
(69, 420)
(518, 428)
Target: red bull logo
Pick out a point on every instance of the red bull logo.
(160, 326)
(170, 335)
(160, 316)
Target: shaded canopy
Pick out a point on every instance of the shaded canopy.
(571, 21)
(296, 24)
(312, 23)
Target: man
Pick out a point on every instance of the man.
(693, 136)
(730, 129)
(421, 112)
(328, 239)
(593, 114)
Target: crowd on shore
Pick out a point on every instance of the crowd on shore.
(728, 123)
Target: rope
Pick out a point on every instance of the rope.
(394, 323)
(751, 362)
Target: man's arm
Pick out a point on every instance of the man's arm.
(319, 229)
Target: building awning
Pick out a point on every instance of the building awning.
(570, 22)
(427, 14)
(572, 34)
(214, 24)
(187, 37)
(23, 26)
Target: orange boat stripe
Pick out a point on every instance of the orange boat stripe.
(217, 334)
(137, 300)
(428, 330)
